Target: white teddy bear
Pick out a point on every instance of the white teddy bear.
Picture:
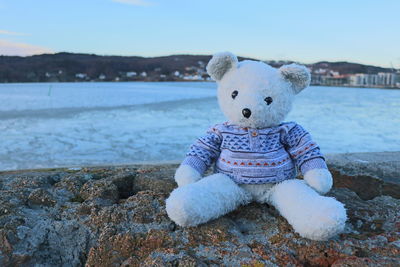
(255, 155)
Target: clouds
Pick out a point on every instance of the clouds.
(11, 48)
(4, 32)
(21, 49)
(134, 2)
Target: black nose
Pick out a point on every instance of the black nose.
(246, 112)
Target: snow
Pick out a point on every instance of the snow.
(70, 124)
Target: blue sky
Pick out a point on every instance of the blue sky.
(364, 31)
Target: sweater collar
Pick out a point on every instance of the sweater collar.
(229, 124)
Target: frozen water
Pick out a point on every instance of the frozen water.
(65, 124)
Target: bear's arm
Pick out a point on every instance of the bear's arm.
(303, 150)
(204, 151)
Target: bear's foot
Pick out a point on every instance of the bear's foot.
(311, 215)
(207, 199)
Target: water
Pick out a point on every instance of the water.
(68, 124)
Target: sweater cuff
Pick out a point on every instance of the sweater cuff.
(316, 163)
(195, 163)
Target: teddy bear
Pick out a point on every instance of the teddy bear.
(256, 156)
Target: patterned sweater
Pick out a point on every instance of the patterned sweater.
(256, 156)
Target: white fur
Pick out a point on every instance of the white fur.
(259, 192)
(298, 75)
(198, 201)
(205, 200)
(311, 215)
(186, 174)
(255, 81)
(319, 179)
(221, 63)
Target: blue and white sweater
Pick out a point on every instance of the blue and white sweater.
(256, 156)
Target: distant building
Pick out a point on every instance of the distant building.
(81, 75)
(328, 77)
(358, 79)
(193, 77)
(337, 80)
(387, 79)
(102, 77)
(382, 79)
(325, 76)
(131, 74)
(398, 79)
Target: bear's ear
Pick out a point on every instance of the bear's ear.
(220, 63)
(299, 76)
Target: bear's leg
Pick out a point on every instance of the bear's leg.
(207, 199)
(311, 215)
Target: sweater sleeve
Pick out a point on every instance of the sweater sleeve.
(303, 150)
(204, 151)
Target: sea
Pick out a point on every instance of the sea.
(46, 125)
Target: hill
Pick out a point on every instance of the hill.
(70, 67)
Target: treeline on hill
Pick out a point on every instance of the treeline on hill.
(69, 67)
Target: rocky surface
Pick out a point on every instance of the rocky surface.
(368, 174)
(115, 216)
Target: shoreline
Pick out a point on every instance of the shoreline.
(79, 167)
(369, 157)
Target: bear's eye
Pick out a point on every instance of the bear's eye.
(268, 100)
(234, 94)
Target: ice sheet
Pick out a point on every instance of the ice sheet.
(115, 123)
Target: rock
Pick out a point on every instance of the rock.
(367, 174)
(100, 190)
(115, 216)
(156, 178)
(41, 197)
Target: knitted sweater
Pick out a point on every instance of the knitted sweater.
(256, 156)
